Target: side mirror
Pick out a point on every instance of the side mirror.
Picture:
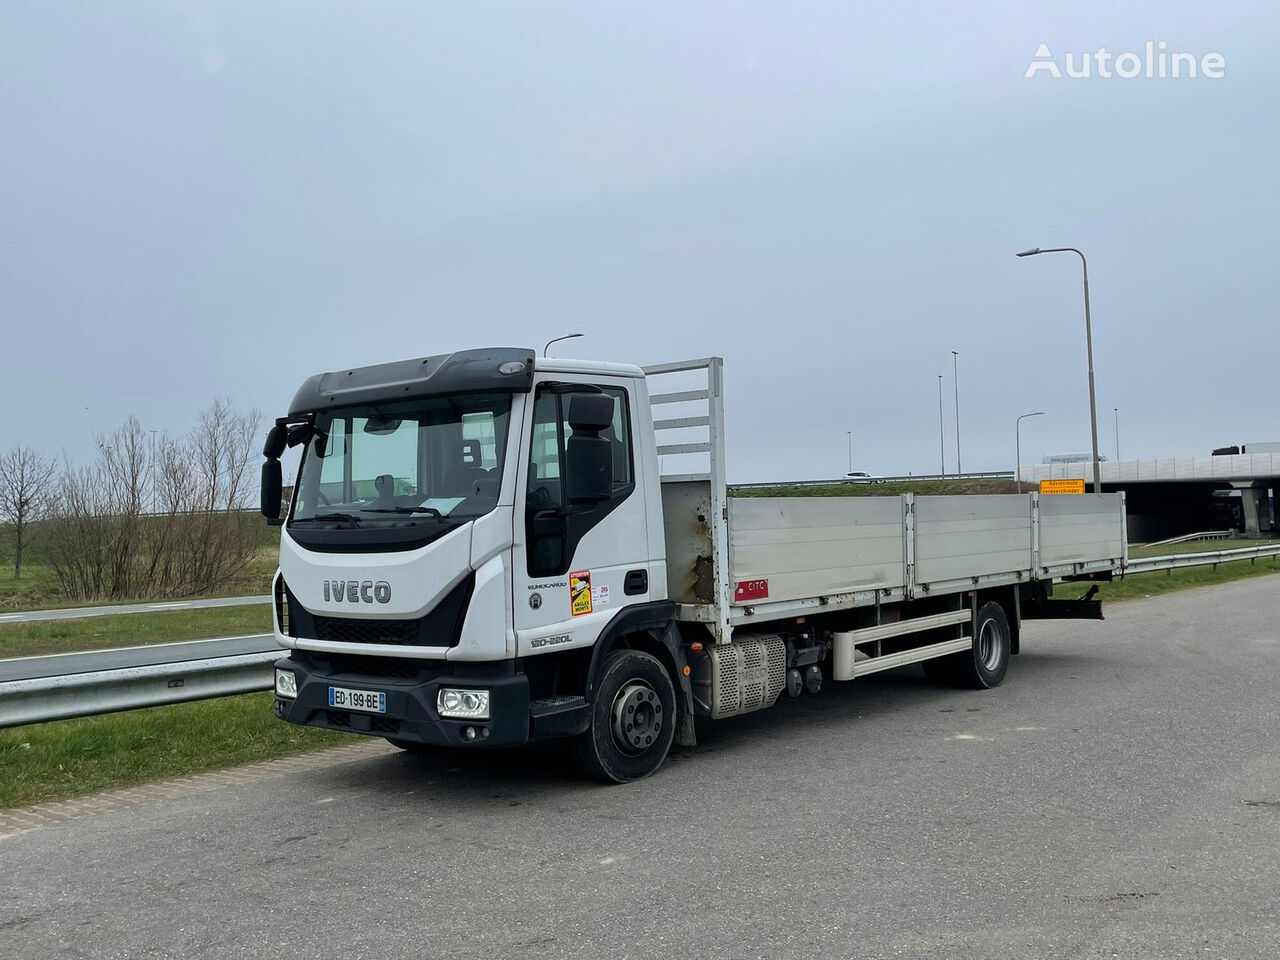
(277, 437)
(272, 489)
(588, 468)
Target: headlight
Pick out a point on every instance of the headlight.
(463, 704)
(286, 683)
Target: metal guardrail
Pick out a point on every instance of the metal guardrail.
(67, 685)
(36, 698)
(1177, 561)
(1188, 537)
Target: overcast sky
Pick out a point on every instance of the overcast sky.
(205, 199)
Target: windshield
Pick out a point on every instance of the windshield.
(436, 460)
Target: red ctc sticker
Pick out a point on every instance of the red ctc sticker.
(751, 590)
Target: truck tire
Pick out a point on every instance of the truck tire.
(633, 719)
(983, 666)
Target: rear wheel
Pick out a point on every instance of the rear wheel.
(633, 719)
(983, 666)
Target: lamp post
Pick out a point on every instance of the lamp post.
(1017, 445)
(942, 444)
(567, 336)
(850, 433)
(1117, 413)
(1088, 338)
(955, 377)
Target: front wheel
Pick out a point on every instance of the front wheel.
(633, 719)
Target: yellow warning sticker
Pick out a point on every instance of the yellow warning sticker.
(580, 592)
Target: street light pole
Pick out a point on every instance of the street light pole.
(567, 336)
(1088, 337)
(942, 444)
(1117, 413)
(850, 433)
(1017, 445)
(955, 376)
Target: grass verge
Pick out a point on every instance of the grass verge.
(39, 588)
(69, 758)
(130, 630)
(1143, 585)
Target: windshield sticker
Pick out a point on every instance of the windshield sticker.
(580, 592)
(442, 505)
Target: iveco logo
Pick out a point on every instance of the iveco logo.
(357, 591)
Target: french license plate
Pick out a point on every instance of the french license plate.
(366, 701)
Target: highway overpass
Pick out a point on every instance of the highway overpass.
(1171, 495)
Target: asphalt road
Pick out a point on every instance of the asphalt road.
(112, 610)
(1119, 796)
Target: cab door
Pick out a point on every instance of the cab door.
(577, 564)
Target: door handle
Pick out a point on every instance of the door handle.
(636, 582)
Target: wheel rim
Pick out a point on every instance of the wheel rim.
(989, 647)
(637, 717)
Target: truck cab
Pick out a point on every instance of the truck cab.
(465, 531)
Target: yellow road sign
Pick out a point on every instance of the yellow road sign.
(1062, 486)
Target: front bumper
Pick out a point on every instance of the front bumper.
(411, 703)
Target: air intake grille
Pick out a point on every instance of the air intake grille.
(380, 725)
(387, 668)
(344, 630)
(282, 606)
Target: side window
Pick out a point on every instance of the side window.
(619, 435)
(551, 543)
(546, 453)
(550, 431)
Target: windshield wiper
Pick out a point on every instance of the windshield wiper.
(347, 517)
(431, 510)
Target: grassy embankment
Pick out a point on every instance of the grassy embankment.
(39, 588)
(130, 630)
(69, 758)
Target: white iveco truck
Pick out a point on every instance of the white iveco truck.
(487, 548)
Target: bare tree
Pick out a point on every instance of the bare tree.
(26, 490)
(165, 518)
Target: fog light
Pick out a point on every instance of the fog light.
(464, 704)
(286, 683)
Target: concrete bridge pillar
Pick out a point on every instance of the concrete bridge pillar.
(1257, 509)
